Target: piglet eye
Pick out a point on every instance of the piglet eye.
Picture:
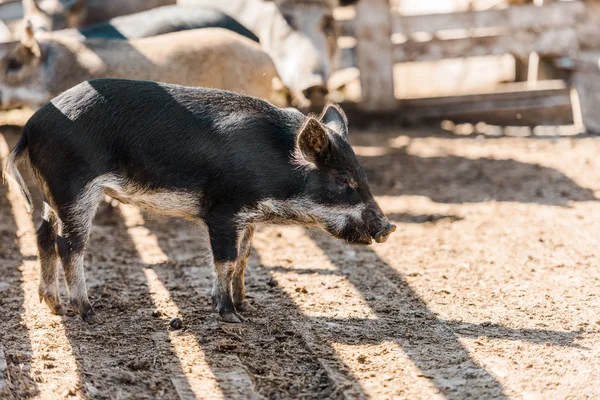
(341, 181)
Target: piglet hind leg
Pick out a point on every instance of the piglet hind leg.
(77, 224)
(47, 248)
(240, 302)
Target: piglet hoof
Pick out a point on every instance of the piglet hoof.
(233, 318)
(53, 303)
(58, 309)
(92, 318)
(245, 306)
(87, 313)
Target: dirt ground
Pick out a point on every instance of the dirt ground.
(490, 288)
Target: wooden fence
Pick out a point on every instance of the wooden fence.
(564, 35)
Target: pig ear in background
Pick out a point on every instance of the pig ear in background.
(30, 7)
(312, 140)
(28, 40)
(334, 118)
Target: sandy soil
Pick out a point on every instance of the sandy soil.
(490, 288)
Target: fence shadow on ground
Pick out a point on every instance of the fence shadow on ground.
(14, 335)
(453, 179)
(106, 357)
(431, 343)
(435, 339)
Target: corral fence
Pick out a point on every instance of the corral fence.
(556, 45)
(559, 41)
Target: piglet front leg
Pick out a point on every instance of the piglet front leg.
(239, 291)
(224, 243)
(222, 299)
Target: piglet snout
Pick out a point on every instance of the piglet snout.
(383, 234)
(316, 94)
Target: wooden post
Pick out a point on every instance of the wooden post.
(587, 84)
(374, 53)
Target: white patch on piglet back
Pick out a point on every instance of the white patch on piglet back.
(74, 106)
(302, 211)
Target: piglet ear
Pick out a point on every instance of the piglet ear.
(335, 119)
(312, 140)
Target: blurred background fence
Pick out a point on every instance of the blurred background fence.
(471, 61)
(502, 62)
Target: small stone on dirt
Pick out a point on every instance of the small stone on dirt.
(176, 323)
(156, 313)
(362, 359)
(226, 346)
(272, 282)
(139, 365)
(301, 290)
(126, 377)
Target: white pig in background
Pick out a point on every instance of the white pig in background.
(36, 69)
(299, 35)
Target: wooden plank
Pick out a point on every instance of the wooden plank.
(528, 17)
(553, 110)
(587, 84)
(374, 52)
(10, 11)
(554, 43)
(515, 106)
(507, 91)
(545, 106)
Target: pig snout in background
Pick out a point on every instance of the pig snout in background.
(299, 35)
(42, 66)
(309, 51)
